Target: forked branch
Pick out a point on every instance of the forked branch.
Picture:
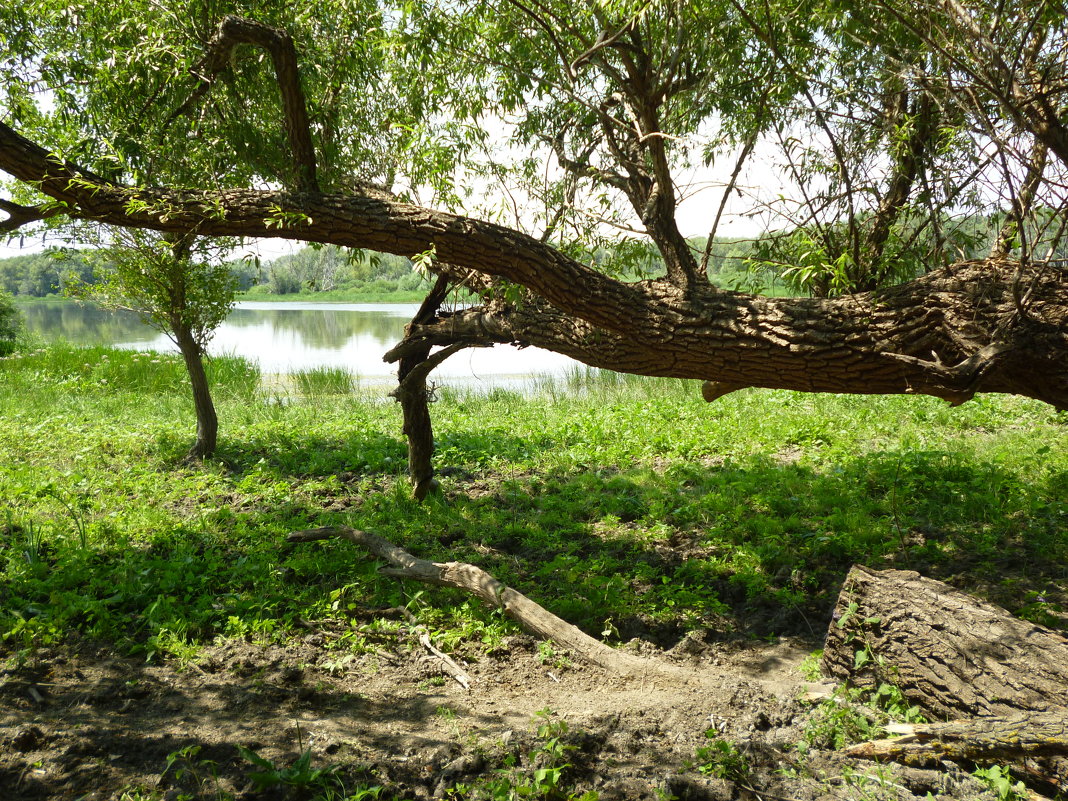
(19, 215)
(234, 31)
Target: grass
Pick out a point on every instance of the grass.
(628, 506)
(324, 381)
(363, 295)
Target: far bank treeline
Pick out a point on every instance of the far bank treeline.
(332, 269)
(324, 269)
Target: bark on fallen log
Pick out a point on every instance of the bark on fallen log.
(951, 655)
(977, 740)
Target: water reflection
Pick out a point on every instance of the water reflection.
(285, 337)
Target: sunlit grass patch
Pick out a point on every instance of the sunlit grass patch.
(319, 381)
(104, 369)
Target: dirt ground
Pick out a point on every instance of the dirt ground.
(81, 722)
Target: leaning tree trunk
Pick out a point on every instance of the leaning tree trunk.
(207, 419)
(990, 326)
(950, 654)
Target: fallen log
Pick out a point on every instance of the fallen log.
(535, 618)
(978, 740)
(950, 654)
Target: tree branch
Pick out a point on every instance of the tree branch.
(531, 616)
(234, 31)
(645, 327)
(19, 215)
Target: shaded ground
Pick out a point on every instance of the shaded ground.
(82, 723)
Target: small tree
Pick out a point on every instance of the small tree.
(183, 296)
(10, 324)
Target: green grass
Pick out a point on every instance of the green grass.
(628, 506)
(342, 296)
(324, 381)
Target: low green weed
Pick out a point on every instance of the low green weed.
(722, 760)
(855, 714)
(300, 775)
(188, 770)
(999, 779)
(540, 773)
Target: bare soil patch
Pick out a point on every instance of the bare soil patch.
(81, 722)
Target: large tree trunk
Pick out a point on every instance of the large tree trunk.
(979, 327)
(950, 654)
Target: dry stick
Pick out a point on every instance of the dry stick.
(450, 664)
(454, 669)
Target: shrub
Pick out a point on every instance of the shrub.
(10, 324)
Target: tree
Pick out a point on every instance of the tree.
(10, 324)
(892, 122)
(185, 297)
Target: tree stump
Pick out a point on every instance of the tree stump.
(950, 654)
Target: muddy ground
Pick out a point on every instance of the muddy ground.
(81, 722)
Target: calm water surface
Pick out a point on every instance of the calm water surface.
(287, 337)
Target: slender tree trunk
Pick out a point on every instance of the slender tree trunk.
(207, 419)
(414, 398)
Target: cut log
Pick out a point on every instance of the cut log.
(977, 740)
(950, 654)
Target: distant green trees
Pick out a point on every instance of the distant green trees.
(311, 269)
(328, 268)
(40, 274)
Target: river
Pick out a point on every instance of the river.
(287, 337)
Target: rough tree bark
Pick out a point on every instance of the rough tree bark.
(950, 654)
(414, 365)
(1001, 681)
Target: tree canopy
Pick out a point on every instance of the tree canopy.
(500, 144)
